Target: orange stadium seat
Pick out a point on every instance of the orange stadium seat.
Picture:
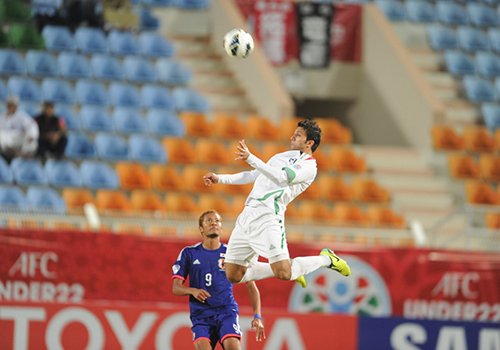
(350, 215)
(179, 150)
(269, 149)
(76, 198)
(212, 201)
(345, 160)
(312, 192)
(368, 190)
(322, 160)
(478, 139)
(197, 124)
(165, 178)
(445, 138)
(146, 200)
(112, 200)
(480, 192)
(490, 166)
(229, 126)
(181, 203)
(238, 203)
(261, 128)
(315, 210)
(332, 131)
(212, 152)
(288, 126)
(253, 147)
(497, 139)
(385, 217)
(133, 176)
(492, 220)
(193, 180)
(462, 166)
(293, 211)
(335, 189)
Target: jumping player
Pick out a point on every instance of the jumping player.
(260, 228)
(214, 312)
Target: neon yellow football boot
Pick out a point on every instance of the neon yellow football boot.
(337, 264)
(302, 281)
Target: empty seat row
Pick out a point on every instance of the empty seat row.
(101, 66)
(475, 139)
(481, 192)
(485, 63)
(94, 40)
(463, 166)
(37, 198)
(466, 38)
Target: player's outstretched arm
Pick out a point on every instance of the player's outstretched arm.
(210, 178)
(178, 288)
(245, 177)
(257, 324)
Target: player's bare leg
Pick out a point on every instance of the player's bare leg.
(234, 272)
(203, 344)
(282, 269)
(232, 343)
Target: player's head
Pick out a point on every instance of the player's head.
(306, 136)
(210, 224)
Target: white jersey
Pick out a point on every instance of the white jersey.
(277, 182)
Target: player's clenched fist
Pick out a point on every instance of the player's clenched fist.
(210, 178)
(201, 295)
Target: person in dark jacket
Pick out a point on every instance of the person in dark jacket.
(52, 138)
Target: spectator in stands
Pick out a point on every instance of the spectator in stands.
(46, 12)
(18, 132)
(52, 129)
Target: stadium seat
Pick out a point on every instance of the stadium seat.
(187, 99)
(335, 189)
(323, 161)
(41, 63)
(165, 178)
(494, 38)
(58, 38)
(45, 199)
(350, 215)
(451, 13)
(138, 69)
(481, 15)
(480, 192)
(490, 167)
(63, 173)
(491, 115)
(315, 210)
(472, 39)
(163, 122)
(91, 93)
(479, 89)
(478, 139)
(157, 2)
(462, 166)
(369, 191)
(122, 43)
(26, 88)
(76, 198)
(332, 131)
(28, 172)
(261, 128)
(106, 67)
(441, 38)
(192, 4)
(6, 175)
(420, 11)
(459, 63)
(146, 201)
(492, 221)
(155, 96)
(91, 40)
(66, 112)
(444, 138)
(153, 45)
(180, 150)
(393, 10)
(110, 146)
(345, 160)
(128, 121)
(12, 198)
(193, 180)
(268, 149)
(148, 22)
(229, 126)
(196, 124)
(385, 217)
(95, 118)
(133, 176)
(4, 92)
(145, 149)
(98, 175)
(124, 95)
(25, 36)
(32, 108)
(181, 203)
(112, 200)
(79, 146)
(11, 63)
(488, 64)
(220, 204)
(73, 65)
(172, 72)
(312, 192)
(212, 152)
(57, 91)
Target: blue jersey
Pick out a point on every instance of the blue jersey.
(205, 269)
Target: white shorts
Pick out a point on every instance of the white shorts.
(258, 232)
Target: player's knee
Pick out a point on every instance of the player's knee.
(284, 275)
(234, 278)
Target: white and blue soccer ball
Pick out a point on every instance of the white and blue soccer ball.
(238, 43)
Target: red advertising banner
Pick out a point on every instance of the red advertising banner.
(80, 267)
(346, 33)
(97, 326)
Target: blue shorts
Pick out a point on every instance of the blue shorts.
(216, 328)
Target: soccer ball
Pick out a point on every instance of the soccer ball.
(238, 43)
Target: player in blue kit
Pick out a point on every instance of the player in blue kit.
(214, 312)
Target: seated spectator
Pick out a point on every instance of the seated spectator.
(46, 12)
(18, 132)
(52, 129)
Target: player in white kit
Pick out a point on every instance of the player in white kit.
(260, 227)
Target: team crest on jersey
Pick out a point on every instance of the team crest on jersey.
(297, 166)
(222, 265)
(175, 268)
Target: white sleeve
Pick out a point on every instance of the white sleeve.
(242, 178)
(279, 176)
(300, 172)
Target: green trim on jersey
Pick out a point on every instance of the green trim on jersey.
(291, 173)
(276, 205)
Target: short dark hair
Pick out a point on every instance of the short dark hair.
(48, 104)
(313, 132)
(202, 216)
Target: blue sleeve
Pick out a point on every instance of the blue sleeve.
(180, 269)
